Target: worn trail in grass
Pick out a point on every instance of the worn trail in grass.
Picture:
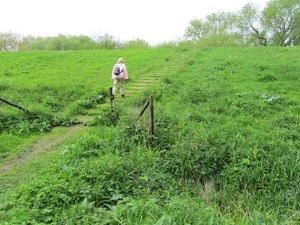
(48, 142)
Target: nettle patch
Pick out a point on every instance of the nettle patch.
(34, 122)
(49, 115)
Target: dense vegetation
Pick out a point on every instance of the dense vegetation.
(225, 149)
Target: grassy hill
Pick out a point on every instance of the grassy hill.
(224, 151)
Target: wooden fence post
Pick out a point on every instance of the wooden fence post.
(111, 93)
(149, 103)
(111, 100)
(13, 104)
(152, 114)
(144, 108)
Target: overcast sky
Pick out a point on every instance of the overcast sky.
(154, 21)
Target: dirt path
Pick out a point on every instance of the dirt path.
(44, 145)
(48, 142)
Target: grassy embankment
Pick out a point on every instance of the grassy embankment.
(57, 86)
(225, 149)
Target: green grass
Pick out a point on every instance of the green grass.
(57, 86)
(225, 149)
(29, 77)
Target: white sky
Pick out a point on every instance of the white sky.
(154, 21)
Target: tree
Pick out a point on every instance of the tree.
(9, 41)
(195, 30)
(138, 44)
(26, 43)
(221, 23)
(60, 42)
(218, 29)
(282, 19)
(39, 43)
(107, 41)
(83, 42)
(249, 24)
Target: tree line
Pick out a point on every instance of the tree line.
(10, 41)
(278, 24)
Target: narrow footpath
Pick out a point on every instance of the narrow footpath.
(49, 142)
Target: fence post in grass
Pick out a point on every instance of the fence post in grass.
(111, 97)
(111, 94)
(149, 102)
(144, 108)
(152, 114)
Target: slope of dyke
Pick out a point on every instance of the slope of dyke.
(49, 141)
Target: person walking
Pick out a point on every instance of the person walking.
(119, 79)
